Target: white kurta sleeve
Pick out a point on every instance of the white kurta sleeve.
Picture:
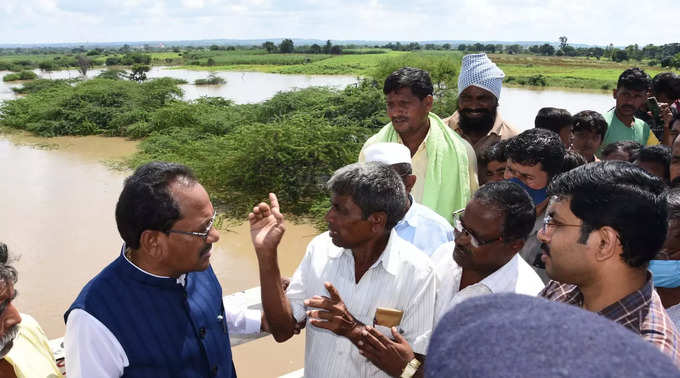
(91, 350)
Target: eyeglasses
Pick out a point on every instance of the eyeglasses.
(458, 227)
(203, 235)
(549, 225)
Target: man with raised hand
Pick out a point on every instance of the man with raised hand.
(483, 260)
(360, 264)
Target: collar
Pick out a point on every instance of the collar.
(630, 305)
(389, 258)
(410, 216)
(504, 279)
(181, 280)
(423, 144)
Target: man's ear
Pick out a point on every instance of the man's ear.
(409, 181)
(608, 244)
(516, 245)
(614, 91)
(153, 242)
(428, 101)
(378, 221)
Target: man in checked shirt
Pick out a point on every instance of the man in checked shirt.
(604, 223)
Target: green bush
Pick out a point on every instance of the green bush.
(212, 79)
(22, 75)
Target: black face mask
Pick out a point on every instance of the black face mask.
(477, 125)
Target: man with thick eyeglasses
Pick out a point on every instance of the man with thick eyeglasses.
(482, 260)
(157, 310)
(604, 223)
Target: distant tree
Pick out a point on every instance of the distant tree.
(315, 49)
(214, 47)
(327, 47)
(138, 72)
(490, 48)
(563, 42)
(619, 55)
(650, 51)
(446, 46)
(84, 64)
(125, 48)
(513, 49)
(478, 47)
(47, 67)
(462, 47)
(112, 74)
(569, 50)
(286, 46)
(210, 62)
(597, 52)
(559, 52)
(112, 61)
(336, 50)
(547, 49)
(269, 46)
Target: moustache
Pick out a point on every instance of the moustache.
(628, 107)
(480, 110)
(400, 119)
(205, 250)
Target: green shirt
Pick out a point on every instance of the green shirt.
(617, 131)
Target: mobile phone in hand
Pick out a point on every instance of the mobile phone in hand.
(653, 106)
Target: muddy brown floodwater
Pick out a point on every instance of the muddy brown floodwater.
(58, 197)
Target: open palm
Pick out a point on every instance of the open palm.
(266, 225)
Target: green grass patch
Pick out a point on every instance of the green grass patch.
(22, 75)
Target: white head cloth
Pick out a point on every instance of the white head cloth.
(480, 71)
(388, 153)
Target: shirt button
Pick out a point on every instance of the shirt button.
(201, 332)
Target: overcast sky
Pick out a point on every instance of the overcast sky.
(621, 22)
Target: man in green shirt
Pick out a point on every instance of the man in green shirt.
(630, 94)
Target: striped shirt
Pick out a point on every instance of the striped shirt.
(640, 311)
(402, 278)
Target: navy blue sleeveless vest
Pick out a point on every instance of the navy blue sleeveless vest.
(165, 329)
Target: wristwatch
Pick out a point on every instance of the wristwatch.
(410, 369)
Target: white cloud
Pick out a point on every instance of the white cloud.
(620, 22)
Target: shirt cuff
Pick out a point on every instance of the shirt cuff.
(253, 320)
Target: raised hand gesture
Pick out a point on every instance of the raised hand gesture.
(333, 314)
(266, 226)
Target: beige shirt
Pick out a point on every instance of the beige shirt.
(501, 130)
(419, 166)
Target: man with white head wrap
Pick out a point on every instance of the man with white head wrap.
(479, 89)
(420, 226)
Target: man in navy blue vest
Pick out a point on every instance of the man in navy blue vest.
(157, 310)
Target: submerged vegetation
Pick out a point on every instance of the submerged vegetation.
(290, 144)
(212, 79)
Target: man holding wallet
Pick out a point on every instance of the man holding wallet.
(349, 272)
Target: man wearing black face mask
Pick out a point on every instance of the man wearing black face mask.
(534, 157)
(477, 119)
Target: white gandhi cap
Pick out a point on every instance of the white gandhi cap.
(388, 153)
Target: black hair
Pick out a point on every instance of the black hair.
(589, 120)
(403, 169)
(572, 159)
(408, 77)
(673, 200)
(630, 147)
(634, 79)
(493, 152)
(622, 196)
(535, 146)
(8, 274)
(146, 202)
(553, 119)
(657, 154)
(374, 187)
(514, 203)
(667, 83)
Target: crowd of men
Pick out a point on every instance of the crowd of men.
(450, 245)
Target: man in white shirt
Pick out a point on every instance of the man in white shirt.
(420, 226)
(347, 273)
(483, 260)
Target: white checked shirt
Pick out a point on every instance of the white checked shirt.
(516, 276)
(403, 278)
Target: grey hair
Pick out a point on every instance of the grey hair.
(8, 274)
(374, 187)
